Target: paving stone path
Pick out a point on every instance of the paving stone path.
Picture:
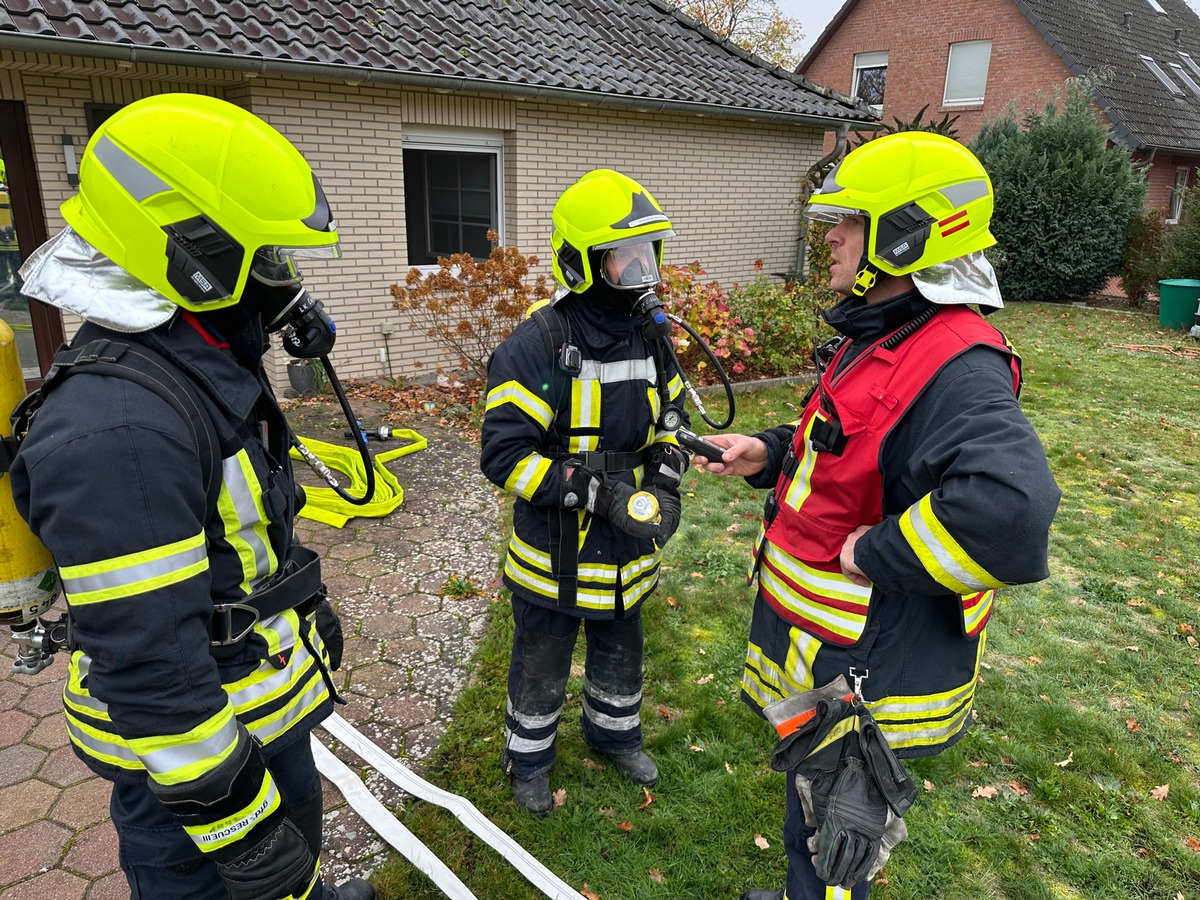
(407, 657)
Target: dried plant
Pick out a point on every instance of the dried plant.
(469, 306)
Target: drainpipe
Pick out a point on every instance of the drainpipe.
(839, 146)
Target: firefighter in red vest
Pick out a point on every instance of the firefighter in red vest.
(910, 489)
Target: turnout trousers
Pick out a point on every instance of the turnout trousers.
(160, 860)
(543, 642)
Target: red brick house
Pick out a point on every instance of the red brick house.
(974, 57)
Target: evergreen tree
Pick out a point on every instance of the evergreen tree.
(1064, 198)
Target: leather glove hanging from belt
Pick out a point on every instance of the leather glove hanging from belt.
(234, 814)
(852, 788)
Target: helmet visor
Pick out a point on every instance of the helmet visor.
(822, 212)
(630, 266)
(277, 266)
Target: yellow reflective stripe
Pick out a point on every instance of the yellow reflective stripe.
(939, 553)
(800, 487)
(135, 573)
(844, 623)
(927, 720)
(75, 696)
(837, 732)
(102, 745)
(527, 475)
(655, 401)
(215, 835)
(585, 415)
(523, 399)
(278, 723)
(801, 657)
(176, 758)
(762, 679)
(675, 386)
(245, 520)
(596, 583)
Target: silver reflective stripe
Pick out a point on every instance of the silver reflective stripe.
(607, 722)
(962, 194)
(942, 555)
(128, 576)
(616, 372)
(532, 722)
(245, 699)
(611, 699)
(139, 181)
(247, 513)
(525, 745)
(171, 759)
(100, 748)
(266, 731)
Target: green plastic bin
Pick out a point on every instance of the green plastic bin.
(1178, 299)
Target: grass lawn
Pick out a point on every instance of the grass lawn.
(1079, 777)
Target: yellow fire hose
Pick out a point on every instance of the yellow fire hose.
(324, 505)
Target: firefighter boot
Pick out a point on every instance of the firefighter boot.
(635, 765)
(761, 895)
(533, 793)
(354, 889)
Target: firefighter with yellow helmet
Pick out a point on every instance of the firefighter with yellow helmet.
(580, 425)
(198, 668)
(910, 489)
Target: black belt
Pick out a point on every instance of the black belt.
(610, 460)
(297, 582)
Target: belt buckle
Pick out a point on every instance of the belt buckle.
(224, 613)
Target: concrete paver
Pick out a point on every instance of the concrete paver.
(408, 648)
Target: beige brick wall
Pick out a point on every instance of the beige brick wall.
(728, 185)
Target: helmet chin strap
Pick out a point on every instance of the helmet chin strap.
(864, 278)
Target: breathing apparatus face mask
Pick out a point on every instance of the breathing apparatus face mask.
(632, 270)
(275, 291)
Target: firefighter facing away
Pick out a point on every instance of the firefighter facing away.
(198, 668)
(910, 489)
(572, 427)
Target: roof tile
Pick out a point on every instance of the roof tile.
(632, 48)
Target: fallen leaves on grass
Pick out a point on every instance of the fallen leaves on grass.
(1132, 725)
(625, 826)
(593, 765)
(558, 798)
(761, 842)
(1063, 763)
(1018, 788)
(706, 679)
(987, 792)
(591, 895)
(657, 876)
(648, 799)
(929, 786)
(1160, 792)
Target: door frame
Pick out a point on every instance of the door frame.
(30, 223)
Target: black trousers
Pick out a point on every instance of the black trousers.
(543, 642)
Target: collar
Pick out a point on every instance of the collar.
(862, 321)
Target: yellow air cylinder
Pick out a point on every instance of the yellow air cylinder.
(27, 580)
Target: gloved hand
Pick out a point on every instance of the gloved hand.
(670, 509)
(234, 814)
(279, 867)
(617, 511)
(666, 465)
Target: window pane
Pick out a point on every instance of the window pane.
(966, 72)
(442, 169)
(450, 191)
(476, 171)
(870, 85)
(443, 204)
(477, 207)
(475, 240)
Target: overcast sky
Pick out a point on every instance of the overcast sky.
(814, 15)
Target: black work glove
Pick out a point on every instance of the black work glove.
(670, 509)
(855, 816)
(260, 854)
(614, 504)
(666, 465)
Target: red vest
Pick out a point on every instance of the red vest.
(827, 496)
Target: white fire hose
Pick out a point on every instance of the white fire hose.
(390, 829)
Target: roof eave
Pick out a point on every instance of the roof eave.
(255, 66)
(834, 24)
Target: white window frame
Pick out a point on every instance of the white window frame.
(1182, 74)
(459, 140)
(1178, 189)
(1149, 63)
(1191, 63)
(876, 59)
(965, 99)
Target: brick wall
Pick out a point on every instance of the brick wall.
(728, 185)
(917, 38)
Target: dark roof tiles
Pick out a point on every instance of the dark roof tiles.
(629, 48)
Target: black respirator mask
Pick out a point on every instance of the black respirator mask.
(633, 274)
(282, 302)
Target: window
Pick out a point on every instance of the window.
(97, 114)
(451, 192)
(1156, 6)
(1182, 74)
(870, 76)
(1177, 192)
(1161, 75)
(1191, 63)
(966, 72)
